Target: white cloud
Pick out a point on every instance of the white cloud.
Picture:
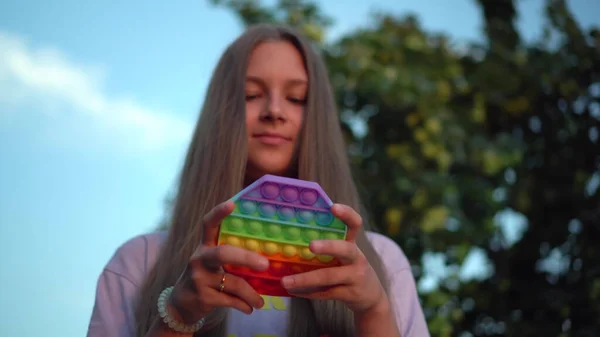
(45, 80)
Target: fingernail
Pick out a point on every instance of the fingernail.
(263, 263)
(316, 245)
(287, 281)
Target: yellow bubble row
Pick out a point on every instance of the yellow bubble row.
(270, 248)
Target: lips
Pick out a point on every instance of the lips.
(271, 138)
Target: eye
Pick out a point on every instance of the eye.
(294, 100)
(250, 97)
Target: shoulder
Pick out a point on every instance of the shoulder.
(402, 287)
(391, 254)
(135, 257)
(118, 284)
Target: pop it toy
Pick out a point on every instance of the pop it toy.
(278, 217)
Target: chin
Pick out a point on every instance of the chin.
(274, 171)
(257, 171)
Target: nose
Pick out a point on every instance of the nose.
(274, 110)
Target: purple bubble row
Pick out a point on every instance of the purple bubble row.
(289, 193)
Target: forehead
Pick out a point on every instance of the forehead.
(276, 60)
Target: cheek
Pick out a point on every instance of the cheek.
(296, 119)
(252, 113)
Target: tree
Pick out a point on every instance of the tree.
(448, 141)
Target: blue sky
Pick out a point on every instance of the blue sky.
(96, 107)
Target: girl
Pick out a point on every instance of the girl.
(173, 284)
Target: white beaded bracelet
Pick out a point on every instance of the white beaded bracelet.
(170, 321)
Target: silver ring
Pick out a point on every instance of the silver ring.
(222, 284)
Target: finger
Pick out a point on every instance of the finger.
(216, 299)
(212, 222)
(345, 251)
(300, 291)
(350, 217)
(216, 257)
(317, 280)
(239, 288)
(331, 293)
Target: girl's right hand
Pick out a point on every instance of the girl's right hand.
(204, 285)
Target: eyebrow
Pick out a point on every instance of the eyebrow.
(291, 82)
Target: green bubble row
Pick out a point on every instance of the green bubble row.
(277, 232)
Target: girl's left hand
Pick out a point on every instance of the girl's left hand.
(354, 282)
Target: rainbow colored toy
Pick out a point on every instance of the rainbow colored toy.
(278, 217)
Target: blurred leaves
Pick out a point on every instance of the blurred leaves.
(454, 144)
(304, 15)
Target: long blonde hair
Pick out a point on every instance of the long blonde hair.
(214, 170)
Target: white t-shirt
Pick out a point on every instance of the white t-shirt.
(123, 275)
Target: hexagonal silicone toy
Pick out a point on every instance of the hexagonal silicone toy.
(278, 217)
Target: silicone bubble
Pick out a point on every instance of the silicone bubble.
(278, 217)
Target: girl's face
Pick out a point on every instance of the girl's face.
(276, 89)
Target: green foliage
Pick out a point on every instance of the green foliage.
(304, 15)
(446, 140)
